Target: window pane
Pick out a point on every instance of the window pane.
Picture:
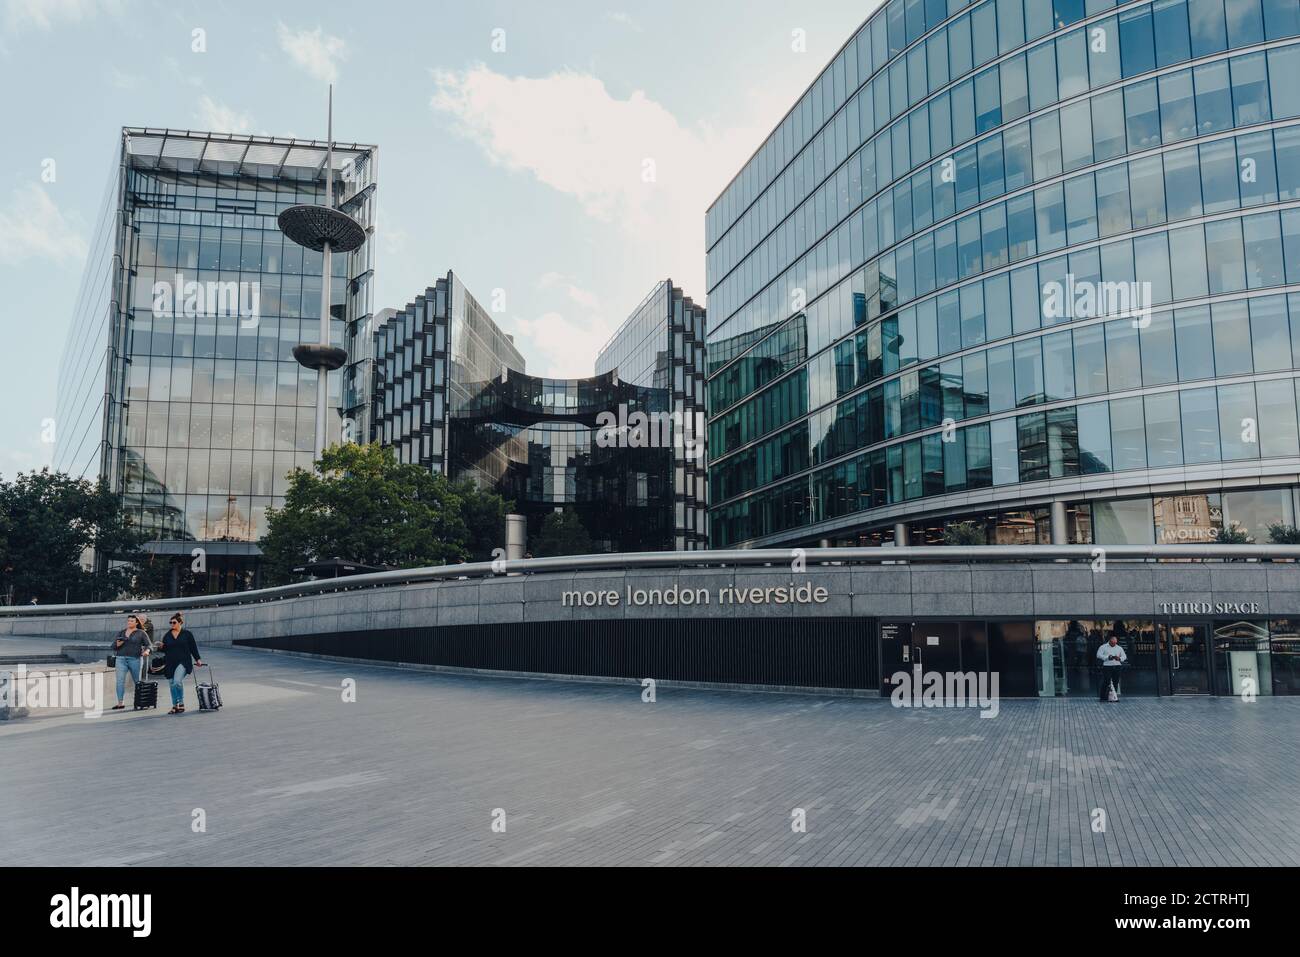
(1128, 434)
(1090, 360)
(1159, 365)
(1225, 256)
(1142, 115)
(1177, 106)
(1238, 426)
(1219, 176)
(1058, 366)
(1094, 438)
(1200, 426)
(1263, 246)
(1209, 31)
(1029, 372)
(1183, 183)
(1277, 418)
(1213, 97)
(1250, 89)
(1164, 430)
(1173, 36)
(1123, 358)
(1137, 41)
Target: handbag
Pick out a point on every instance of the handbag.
(112, 661)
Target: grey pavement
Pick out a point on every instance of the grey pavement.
(412, 772)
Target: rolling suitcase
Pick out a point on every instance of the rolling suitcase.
(146, 692)
(209, 693)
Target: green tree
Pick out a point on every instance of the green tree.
(1233, 534)
(360, 504)
(1280, 533)
(484, 513)
(562, 534)
(964, 533)
(52, 525)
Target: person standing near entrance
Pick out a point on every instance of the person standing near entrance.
(1112, 658)
(180, 655)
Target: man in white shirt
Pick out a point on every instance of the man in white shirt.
(1111, 656)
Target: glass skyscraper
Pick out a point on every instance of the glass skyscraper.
(661, 346)
(178, 383)
(430, 357)
(450, 393)
(1033, 264)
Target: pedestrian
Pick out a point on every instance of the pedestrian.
(131, 646)
(1112, 658)
(180, 656)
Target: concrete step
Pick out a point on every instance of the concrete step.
(46, 659)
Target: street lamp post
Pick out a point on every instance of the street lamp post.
(326, 230)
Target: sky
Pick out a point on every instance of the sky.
(563, 153)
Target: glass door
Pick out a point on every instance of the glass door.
(1185, 655)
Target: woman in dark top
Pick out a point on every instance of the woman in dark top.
(131, 646)
(180, 655)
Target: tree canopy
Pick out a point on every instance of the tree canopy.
(48, 521)
(360, 504)
(562, 534)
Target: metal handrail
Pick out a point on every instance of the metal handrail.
(947, 554)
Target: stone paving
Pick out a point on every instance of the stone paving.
(412, 772)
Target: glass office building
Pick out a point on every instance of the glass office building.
(178, 383)
(450, 393)
(1033, 264)
(430, 356)
(661, 345)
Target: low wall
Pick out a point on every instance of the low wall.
(712, 622)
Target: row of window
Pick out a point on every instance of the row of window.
(1211, 98)
(1139, 40)
(1244, 171)
(1202, 342)
(204, 425)
(201, 517)
(1230, 255)
(240, 381)
(177, 471)
(1238, 422)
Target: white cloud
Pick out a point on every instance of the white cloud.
(628, 161)
(46, 14)
(625, 19)
(123, 80)
(32, 227)
(314, 51)
(559, 345)
(219, 118)
(583, 297)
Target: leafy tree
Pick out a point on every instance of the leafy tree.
(360, 504)
(484, 513)
(50, 524)
(562, 534)
(964, 533)
(1279, 533)
(1233, 534)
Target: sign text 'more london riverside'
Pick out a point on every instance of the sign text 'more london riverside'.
(790, 594)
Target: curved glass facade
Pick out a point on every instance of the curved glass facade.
(1012, 253)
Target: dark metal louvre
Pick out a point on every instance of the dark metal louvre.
(796, 652)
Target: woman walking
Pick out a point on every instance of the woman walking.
(180, 655)
(131, 646)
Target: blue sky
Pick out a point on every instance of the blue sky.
(520, 168)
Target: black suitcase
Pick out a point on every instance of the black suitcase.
(146, 692)
(209, 692)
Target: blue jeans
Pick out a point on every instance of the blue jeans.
(125, 665)
(178, 687)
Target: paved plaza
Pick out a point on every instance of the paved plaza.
(414, 770)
